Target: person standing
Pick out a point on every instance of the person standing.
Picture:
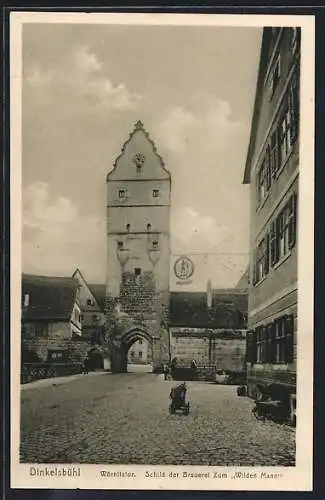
(86, 365)
(166, 371)
(194, 369)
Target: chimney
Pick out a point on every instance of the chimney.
(209, 294)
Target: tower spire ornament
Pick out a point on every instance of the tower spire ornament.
(138, 125)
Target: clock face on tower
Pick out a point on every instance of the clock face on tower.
(138, 159)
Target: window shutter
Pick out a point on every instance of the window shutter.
(273, 243)
(289, 330)
(267, 254)
(294, 109)
(249, 345)
(263, 344)
(293, 222)
(254, 347)
(254, 268)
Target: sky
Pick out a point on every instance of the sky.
(84, 88)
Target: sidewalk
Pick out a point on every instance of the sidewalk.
(47, 382)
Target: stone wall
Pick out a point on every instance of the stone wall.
(224, 353)
(55, 335)
(143, 307)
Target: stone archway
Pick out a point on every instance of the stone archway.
(121, 344)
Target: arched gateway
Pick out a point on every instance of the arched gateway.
(138, 250)
(121, 344)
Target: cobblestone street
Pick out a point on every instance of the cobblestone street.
(124, 419)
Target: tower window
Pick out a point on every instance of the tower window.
(155, 244)
(155, 193)
(120, 245)
(148, 227)
(128, 228)
(137, 271)
(121, 193)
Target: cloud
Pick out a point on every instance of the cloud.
(57, 237)
(79, 83)
(86, 61)
(203, 146)
(174, 130)
(190, 230)
(208, 124)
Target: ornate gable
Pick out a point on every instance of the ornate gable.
(139, 158)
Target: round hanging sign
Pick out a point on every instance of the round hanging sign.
(183, 268)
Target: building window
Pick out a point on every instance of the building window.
(120, 245)
(148, 228)
(274, 153)
(285, 134)
(155, 244)
(280, 342)
(264, 177)
(89, 302)
(272, 343)
(260, 344)
(140, 354)
(155, 193)
(41, 329)
(280, 143)
(57, 355)
(140, 342)
(275, 76)
(294, 39)
(121, 193)
(137, 271)
(262, 260)
(293, 104)
(283, 231)
(128, 227)
(132, 354)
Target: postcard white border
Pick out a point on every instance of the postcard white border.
(298, 478)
